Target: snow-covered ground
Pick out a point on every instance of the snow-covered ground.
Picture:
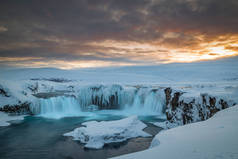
(213, 138)
(5, 119)
(217, 78)
(134, 90)
(95, 134)
(180, 73)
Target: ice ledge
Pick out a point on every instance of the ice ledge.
(95, 134)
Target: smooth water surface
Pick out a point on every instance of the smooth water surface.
(41, 138)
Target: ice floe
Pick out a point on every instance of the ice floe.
(95, 134)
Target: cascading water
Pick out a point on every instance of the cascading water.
(114, 97)
(136, 101)
(147, 102)
(57, 107)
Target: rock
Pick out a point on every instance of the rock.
(193, 109)
(223, 104)
(3, 92)
(167, 92)
(102, 96)
(175, 100)
(34, 88)
(19, 109)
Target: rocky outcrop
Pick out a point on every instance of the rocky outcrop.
(111, 103)
(182, 110)
(3, 92)
(167, 92)
(18, 109)
(34, 88)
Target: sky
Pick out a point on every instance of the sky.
(97, 33)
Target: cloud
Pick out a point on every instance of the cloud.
(139, 30)
(3, 29)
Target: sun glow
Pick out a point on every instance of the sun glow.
(126, 53)
(162, 54)
(220, 50)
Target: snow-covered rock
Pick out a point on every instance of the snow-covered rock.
(213, 138)
(165, 125)
(5, 118)
(95, 134)
(183, 108)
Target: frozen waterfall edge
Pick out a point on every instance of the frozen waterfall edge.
(130, 100)
(178, 106)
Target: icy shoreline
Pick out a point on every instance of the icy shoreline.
(5, 119)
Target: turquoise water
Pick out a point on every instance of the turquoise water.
(41, 138)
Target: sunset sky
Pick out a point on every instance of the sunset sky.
(92, 33)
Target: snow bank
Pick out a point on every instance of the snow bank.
(5, 118)
(213, 138)
(96, 134)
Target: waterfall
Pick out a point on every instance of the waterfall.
(131, 100)
(147, 102)
(113, 97)
(57, 107)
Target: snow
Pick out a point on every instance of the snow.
(95, 134)
(213, 138)
(140, 92)
(180, 73)
(135, 85)
(5, 119)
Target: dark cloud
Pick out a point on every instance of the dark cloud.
(62, 29)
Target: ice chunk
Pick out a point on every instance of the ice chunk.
(95, 134)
